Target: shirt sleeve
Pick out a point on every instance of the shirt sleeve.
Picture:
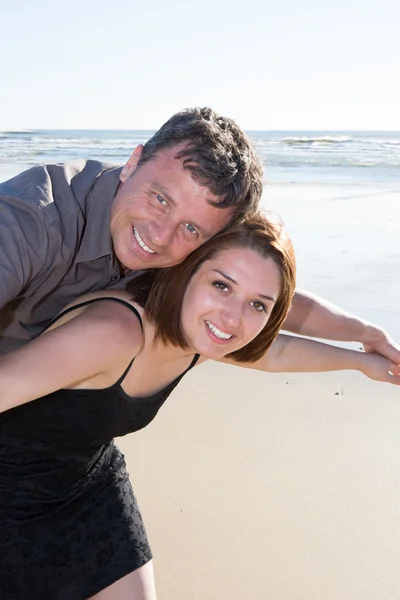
(23, 245)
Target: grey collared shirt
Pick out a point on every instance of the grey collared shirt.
(55, 244)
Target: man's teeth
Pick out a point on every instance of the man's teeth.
(217, 332)
(141, 242)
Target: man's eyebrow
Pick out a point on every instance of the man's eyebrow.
(165, 194)
(236, 283)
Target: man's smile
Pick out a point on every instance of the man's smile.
(141, 242)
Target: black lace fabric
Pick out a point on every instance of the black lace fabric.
(70, 525)
(69, 521)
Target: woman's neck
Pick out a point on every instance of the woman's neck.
(162, 352)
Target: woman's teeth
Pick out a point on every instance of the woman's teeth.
(141, 243)
(220, 334)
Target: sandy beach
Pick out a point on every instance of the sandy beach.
(286, 487)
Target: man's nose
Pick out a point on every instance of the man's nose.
(161, 231)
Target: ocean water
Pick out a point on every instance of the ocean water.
(289, 156)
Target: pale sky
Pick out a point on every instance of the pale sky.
(286, 64)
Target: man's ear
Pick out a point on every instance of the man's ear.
(130, 166)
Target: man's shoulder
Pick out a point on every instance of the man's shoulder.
(69, 204)
(55, 192)
(41, 186)
(79, 177)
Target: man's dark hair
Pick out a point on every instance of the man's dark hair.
(218, 153)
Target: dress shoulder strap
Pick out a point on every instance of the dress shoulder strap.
(86, 303)
(174, 382)
(194, 361)
(92, 301)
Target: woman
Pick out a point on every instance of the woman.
(70, 525)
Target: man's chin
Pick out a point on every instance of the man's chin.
(139, 265)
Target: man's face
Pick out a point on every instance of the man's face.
(160, 214)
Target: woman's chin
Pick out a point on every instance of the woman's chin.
(212, 348)
(214, 353)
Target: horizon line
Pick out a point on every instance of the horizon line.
(34, 129)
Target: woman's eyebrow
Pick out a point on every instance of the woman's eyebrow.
(226, 276)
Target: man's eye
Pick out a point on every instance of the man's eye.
(259, 306)
(161, 200)
(191, 228)
(221, 285)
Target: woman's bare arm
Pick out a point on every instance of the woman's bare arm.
(289, 354)
(313, 316)
(98, 338)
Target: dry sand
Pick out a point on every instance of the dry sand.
(281, 487)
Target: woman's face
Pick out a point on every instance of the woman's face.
(228, 301)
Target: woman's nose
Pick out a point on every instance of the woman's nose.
(232, 314)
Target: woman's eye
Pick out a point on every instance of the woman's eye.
(221, 285)
(190, 228)
(259, 306)
(161, 200)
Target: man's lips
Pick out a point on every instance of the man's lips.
(141, 243)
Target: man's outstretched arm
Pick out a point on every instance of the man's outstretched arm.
(313, 316)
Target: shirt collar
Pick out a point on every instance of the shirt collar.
(96, 241)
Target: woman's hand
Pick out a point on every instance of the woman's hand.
(377, 340)
(379, 368)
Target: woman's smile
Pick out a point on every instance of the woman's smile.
(217, 334)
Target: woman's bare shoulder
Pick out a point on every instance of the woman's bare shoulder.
(91, 304)
(106, 295)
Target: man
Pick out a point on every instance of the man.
(79, 227)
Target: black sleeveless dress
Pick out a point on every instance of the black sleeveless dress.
(69, 522)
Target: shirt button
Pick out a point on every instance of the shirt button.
(113, 279)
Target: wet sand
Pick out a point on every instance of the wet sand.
(280, 486)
